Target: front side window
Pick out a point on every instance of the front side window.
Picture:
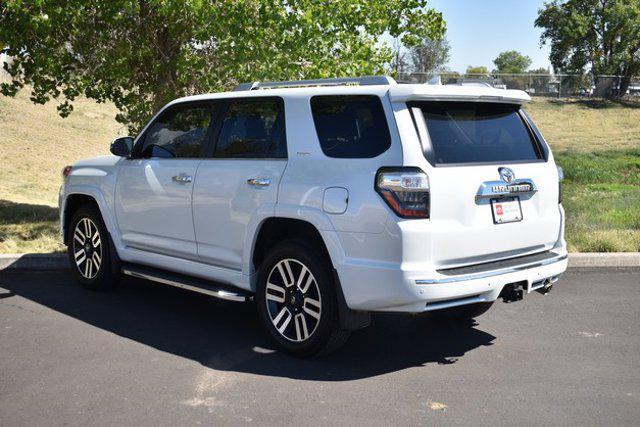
(179, 132)
(253, 128)
(477, 132)
(350, 126)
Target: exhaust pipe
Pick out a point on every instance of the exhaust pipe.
(547, 285)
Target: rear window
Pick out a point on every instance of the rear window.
(351, 126)
(472, 132)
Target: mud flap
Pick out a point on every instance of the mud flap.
(350, 320)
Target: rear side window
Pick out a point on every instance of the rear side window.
(473, 132)
(351, 126)
(253, 128)
(179, 132)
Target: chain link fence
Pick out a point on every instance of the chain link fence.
(556, 85)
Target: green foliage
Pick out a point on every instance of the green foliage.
(512, 62)
(601, 35)
(142, 53)
(477, 70)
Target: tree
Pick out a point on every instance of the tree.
(429, 55)
(399, 63)
(511, 62)
(140, 54)
(602, 35)
(478, 70)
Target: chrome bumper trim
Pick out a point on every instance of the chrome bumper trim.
(491, 273)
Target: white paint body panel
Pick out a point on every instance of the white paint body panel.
(335, 200)
(208, 228)
(153, 211)
(226, 209)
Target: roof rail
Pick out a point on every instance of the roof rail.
(360, 81)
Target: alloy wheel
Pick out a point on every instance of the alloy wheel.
(87, 248)
(293, 300)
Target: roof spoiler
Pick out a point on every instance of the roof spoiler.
(408, 93)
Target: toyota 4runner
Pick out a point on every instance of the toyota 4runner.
(325, 201)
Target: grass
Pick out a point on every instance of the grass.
(602, 200)
(27, 227)
(587, 125)
(35, 144)
(596, 142)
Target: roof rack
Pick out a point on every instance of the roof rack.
(359, 81)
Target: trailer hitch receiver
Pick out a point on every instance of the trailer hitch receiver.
(512, 292)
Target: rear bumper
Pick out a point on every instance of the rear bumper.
(497, 268)
(376, 288)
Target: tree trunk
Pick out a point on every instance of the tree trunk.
(604, 87)
(624, 85)
(167, 50)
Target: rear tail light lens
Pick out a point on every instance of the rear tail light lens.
(560, 179)
(66, 171)
(406, 191)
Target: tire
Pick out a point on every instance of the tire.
(89, 250)
(470, 311)
(299, 313)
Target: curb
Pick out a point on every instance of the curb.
(43, 262)
(604, 259)
(34, 262)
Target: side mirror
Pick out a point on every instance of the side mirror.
(122, 146)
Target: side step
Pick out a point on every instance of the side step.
(202, 286)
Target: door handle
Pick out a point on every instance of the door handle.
(259, 182)
(182, 178)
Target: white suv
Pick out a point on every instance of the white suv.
(326, 200)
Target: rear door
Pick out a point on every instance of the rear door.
(237, 184)
(479, 155)
(153, 189)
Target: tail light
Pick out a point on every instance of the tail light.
(66, 171)
(560, 179)
(406, 191)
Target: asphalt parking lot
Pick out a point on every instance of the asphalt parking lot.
(147, 354)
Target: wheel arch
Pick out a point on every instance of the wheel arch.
(72, 204)
(277, 229)
(74, 198)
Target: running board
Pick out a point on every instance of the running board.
(186, 282)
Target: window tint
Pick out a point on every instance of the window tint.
(179, 132)
(351, 126)
(253, 129)
(470, 132)
(538, 135)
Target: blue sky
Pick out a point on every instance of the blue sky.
(478, 30)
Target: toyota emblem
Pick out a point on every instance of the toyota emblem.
(506, 174)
